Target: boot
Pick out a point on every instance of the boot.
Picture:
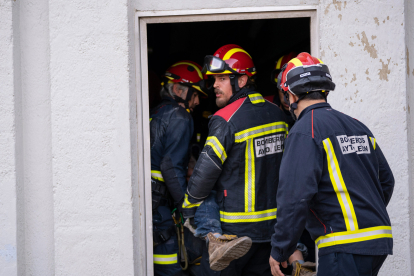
(305, 269)
(226, 248)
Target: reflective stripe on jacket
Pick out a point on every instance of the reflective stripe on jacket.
(335, 179)
(241, 161)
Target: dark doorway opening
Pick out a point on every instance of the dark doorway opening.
(266, 40)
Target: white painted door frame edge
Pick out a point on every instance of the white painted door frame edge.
(142, 18)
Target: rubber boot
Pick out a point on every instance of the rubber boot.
(305, 269)
(226, 248)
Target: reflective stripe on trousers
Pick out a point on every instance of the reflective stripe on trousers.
(354, 236)
(165, 259)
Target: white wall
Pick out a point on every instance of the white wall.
(363, 43)
(8, 141)
(68, 182)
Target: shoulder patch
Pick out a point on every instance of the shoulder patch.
(227, 112)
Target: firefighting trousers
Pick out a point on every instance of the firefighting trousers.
(345, 264)
(166, 259)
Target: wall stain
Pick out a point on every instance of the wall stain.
(376, 20)
(322, 53)
(340, 16)
(369, 48)
(353, 78)
(407, 54)
(359, 38)
(384, 72)
(352, 44)
(388, 18)
(367, 72)
(373, 37)
(327, 8)
(368, 79)
(383, 21)
(338, 6)
(346, 84)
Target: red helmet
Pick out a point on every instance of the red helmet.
(229, 59)
(306, 73)
(186, 72)
(279, 64)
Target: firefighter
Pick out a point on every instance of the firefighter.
(278, 99)
(334, 179)
(240, 162)
(171, 128)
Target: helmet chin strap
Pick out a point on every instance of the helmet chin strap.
(293, 106)
(234, 84)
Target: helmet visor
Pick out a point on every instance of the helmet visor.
(214, 64)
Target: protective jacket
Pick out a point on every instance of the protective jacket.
(171, 128)
(288, 118)
(335, 179)
(241, 161)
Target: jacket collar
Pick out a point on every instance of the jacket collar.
(244, 92)
(314, 106)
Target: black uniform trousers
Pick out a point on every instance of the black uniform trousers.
(345, 264)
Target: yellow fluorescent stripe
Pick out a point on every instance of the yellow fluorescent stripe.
(256, 131)
(213, 142)
(253, 177)
(354, 236)
(320, 61)
(237, 217)
(340, 188)
(157, 175)
(192, 65)
(165, 259)
(150, 119)
(373, 141)
(296, 62)
(187, 204)
(233, 51)
(373, 237)
(246, 179)
(279, 63)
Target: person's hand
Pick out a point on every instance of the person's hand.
(274, 266)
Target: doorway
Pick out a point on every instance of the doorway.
(166, 38)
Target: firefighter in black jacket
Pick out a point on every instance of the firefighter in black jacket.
(334, 179)
(240, 162)
(171, 128)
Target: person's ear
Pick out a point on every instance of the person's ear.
(177, 91)
(242, 80)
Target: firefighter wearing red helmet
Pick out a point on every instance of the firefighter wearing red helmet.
(232, 191)
(278, 99)
(171, 128)
(334, 179)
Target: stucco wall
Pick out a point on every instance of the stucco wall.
(363, 43)
(68, 182)
(8, 170)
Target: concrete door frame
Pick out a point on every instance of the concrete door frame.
(142, 18)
